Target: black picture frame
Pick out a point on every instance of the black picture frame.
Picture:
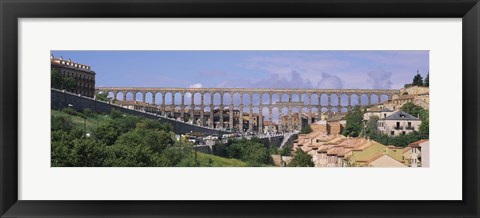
(11, 11)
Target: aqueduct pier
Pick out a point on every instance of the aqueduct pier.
(251, 100)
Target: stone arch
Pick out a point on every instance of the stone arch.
(314, 112)
(354, 100)
(344, 100)
(236, 99)
(226, 98)
(186, 114)
(129, 96)
(158, 98)
(148, 98)
(168, 111)
(304, 99)
(197, 98)
(314, 99)
(139, 97)
(364, 99)
(307, 113)
(324, 100)
(111, 95)
(197, 118)
(383, 98)
(344, 110)
(265, 114)
(275, 98)
(246, 99)
(266, 98)
(216, 116)
(255, 99)
(334, 100)
(374, 99)
(324, 110)
(217, 98)
(334, 110)
(187, 98)
(120, 96)
(206, 99)
(275, 114)
(295, 97)
(168, 98)
(177, 112)
(178, 98)
(285, 97)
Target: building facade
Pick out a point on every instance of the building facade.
(83, 75)
(398, 123)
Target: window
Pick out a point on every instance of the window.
(409, 124)
(403, 132)
(392, 133)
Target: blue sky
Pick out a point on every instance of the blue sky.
(253, 69)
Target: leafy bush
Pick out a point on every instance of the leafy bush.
(301, 159)
(71, 111)
(87, 112)
(285, 151)
(251, 151)
(306, 129)
(61, 123)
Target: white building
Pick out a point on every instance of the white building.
(419, 154)
(398, 123)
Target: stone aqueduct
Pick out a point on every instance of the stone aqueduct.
(306, 99)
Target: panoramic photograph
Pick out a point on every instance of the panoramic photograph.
(240, 108)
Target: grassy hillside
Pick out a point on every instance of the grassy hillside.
(216, 161)
(78, 121)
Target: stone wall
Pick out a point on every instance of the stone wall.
(60, 100)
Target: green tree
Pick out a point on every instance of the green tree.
(424, 128)
(306, 129)
(107, 132)
(371, 127)
(285, 151)
(301, 159)
(251, 151)
(69, 83)
(412, 109)
(354, 119)
(61, 123)
(88, 153)
(56, 79)
(417, 80)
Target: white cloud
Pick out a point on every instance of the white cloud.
(380, 79)
(196, 85)
(330, 82)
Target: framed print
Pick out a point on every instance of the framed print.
(227, 108)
